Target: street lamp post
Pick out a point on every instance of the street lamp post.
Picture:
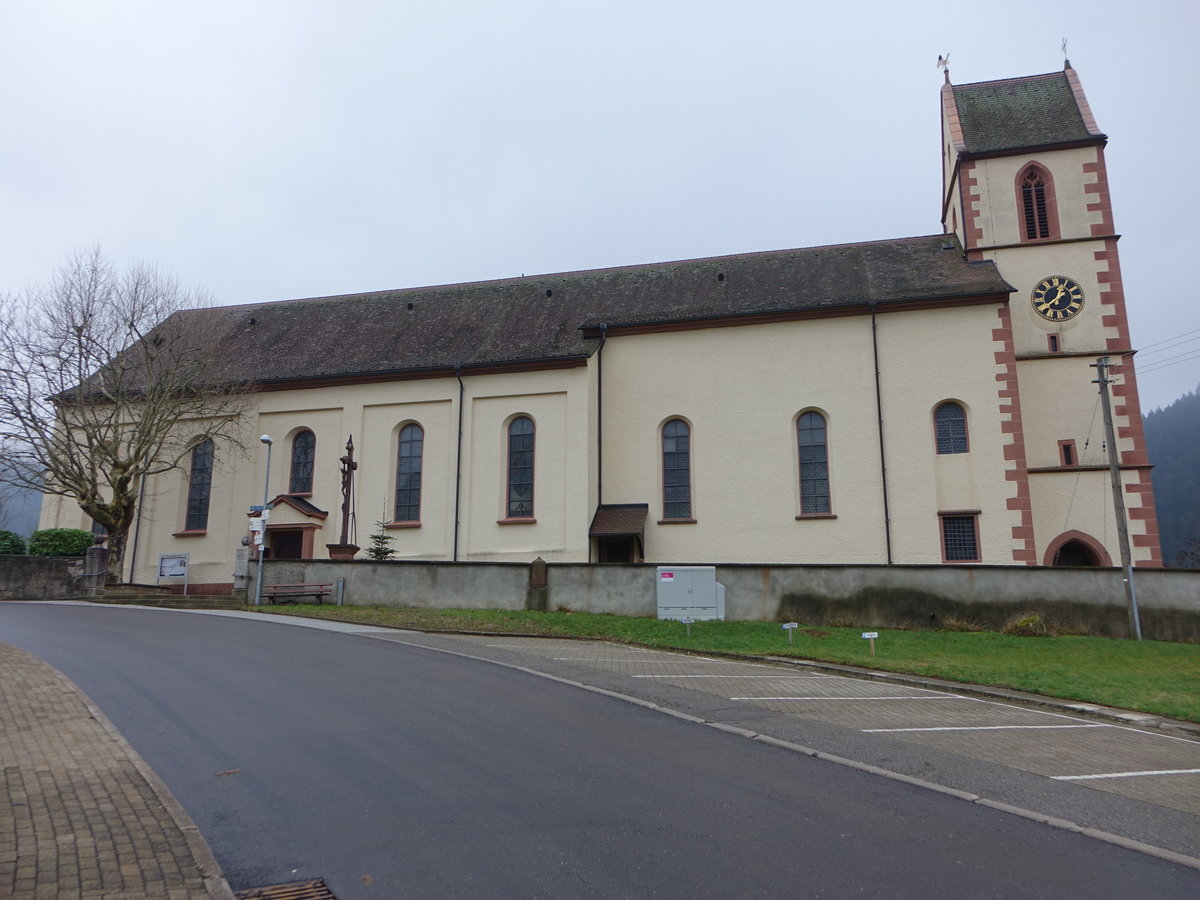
(262, 535)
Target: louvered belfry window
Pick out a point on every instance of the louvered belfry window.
(1033, 198)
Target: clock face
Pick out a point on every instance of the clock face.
(1057, 298)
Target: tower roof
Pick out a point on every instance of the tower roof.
(1017, 113)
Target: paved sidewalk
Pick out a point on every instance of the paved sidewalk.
(82, 816)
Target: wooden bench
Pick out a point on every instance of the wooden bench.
(285, 593)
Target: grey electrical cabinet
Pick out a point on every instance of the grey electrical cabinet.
(689, 592)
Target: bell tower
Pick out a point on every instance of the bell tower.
(1025, 185)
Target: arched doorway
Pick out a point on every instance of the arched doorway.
(1076, 553)
(1074, 548)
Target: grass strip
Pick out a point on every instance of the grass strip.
(1148, 676)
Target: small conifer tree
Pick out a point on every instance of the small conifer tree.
(381, 543)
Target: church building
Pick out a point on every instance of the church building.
(923, 400)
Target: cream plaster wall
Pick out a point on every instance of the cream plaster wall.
(1024, 267)
(741, 389)
(927, 358)
(558, 404)
(1001, 219)
(1075, 501)
(557, 400)
(162, 518)
(1059, 403)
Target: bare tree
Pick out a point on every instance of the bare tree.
(102, 382)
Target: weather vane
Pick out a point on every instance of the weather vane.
(944, 64)
(1064, 48)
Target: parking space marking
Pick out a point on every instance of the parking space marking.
(1126, 774)
(977, 728)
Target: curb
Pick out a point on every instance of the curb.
(210, 870)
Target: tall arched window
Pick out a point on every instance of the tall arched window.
(520, 468)
(950, 425)
(199, 487)
(677, 470)
(304, 448)
(1035, 193)
(814, 463)
(408, 473)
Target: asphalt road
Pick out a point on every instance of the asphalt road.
(394, 771)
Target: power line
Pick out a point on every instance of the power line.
(1169, 344)
(1166, 363)
(1168, 340)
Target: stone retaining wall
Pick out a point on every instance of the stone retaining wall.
(1091, 600)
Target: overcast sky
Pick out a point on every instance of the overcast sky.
(271, 149)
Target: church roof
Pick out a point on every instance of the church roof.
(1017, 113)
(539, 319)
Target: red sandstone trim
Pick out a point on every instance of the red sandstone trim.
(1008, 392)
(1099, 189)
(1061, 240)
(950, 111)
(972, 230)
(1085, 109)
(1127, 412)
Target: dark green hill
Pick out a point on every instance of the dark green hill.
(1173, 439)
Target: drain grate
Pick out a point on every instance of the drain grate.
(297, 890)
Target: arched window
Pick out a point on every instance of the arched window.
(408, 473)
(520, 468)
(950, 422)
(304, 448)
(814, 463)
(677, 470)
(199, 487)
(1035, 196)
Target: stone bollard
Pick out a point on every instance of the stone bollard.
(95, 567)
(537, 597)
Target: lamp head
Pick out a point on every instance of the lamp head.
(266, 439)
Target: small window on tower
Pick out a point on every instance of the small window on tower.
(1052, 339)
(1067, 453)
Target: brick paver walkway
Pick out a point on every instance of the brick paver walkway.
(82, 816)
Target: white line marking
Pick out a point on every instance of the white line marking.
(589, 659)
(610, 658)
(773, 677)
(979, 728)
(1125, 774)
(944, 697)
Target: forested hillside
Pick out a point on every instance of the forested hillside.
(1173, 439)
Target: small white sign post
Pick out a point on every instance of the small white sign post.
(174, 565)
(870, 636)
(790, 628)
(688, 620)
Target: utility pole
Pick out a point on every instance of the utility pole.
(1114, 470)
